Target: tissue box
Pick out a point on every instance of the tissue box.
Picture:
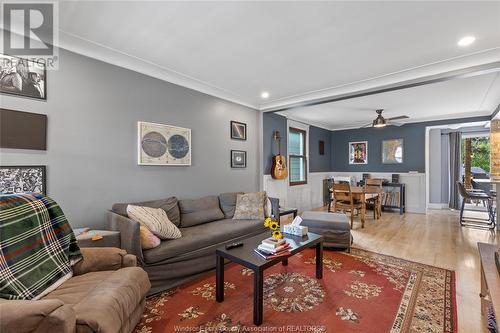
(295, 230)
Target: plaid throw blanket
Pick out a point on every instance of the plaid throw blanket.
(37, 246)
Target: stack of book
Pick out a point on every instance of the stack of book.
(271, 248)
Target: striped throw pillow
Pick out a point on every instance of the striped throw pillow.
(156, 220)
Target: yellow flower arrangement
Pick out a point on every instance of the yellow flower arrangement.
(274, 226)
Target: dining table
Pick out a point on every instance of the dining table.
(359, 193)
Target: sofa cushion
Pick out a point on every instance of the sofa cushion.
(250, 206)
(156, 220)
(203, 235)
(169, 205)
(334, 228)
(50, 315)
(102, 300)
(227, 203)
(335, 221)
(198, 211)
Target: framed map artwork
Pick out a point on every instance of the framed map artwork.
(160, 144)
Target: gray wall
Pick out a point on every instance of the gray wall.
(317, 162)
(414, 146)
(445, 169)
(272, 122)
(435, 166)
(93, 109)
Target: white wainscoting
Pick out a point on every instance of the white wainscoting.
(305, 197)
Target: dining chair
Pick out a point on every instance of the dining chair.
(344, 200)
(476, 221)
(374, 199)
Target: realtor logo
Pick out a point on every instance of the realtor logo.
(30, 30)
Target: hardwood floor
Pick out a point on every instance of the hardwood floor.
(437, 239)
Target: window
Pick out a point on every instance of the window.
(297, 156)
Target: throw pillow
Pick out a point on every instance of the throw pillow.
(250, 206)
(268, 208)
(227, 203)
(169, 205)
(156, 220)
(148, 239)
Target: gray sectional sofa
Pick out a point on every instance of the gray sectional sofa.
(205, 224)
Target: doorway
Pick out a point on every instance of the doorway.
(445, 162)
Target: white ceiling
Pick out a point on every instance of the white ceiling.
(474, 96)
(294, 50)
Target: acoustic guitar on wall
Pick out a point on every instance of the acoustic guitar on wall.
(279, 170)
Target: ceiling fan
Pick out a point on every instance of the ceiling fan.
(380, 121)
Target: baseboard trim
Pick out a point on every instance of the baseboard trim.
(437, 206)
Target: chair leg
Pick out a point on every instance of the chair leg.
(462, 212)
(491, 212)
(352, 218)
(379, 208)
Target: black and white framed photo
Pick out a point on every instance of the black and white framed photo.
(21, 179)
(238, 130)
(238, 159)
(22, 77)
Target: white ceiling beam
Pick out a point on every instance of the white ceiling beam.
(472, 65)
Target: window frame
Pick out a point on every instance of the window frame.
(304, 156)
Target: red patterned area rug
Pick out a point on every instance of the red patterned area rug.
(360, 292)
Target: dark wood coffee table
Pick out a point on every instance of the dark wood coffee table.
(246, 257)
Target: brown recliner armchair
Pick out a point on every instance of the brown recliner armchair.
(106, 294)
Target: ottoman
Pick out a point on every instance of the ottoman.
(334, 227)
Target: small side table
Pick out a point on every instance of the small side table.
(286, 211)
(109, 238)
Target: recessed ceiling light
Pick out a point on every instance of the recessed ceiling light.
(264, 94)
(466, 41)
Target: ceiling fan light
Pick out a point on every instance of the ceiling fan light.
(379, 122)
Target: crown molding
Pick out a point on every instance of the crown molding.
(486, 59)
(82, 46)
(463, 66)
(100, 52)
(109, 55)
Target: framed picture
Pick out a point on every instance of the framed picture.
(322, 147)
(358, 152)
(392, 151)
(160, 144)
(22, 77)
(238, 130)
(20, 179)
(238, 159)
